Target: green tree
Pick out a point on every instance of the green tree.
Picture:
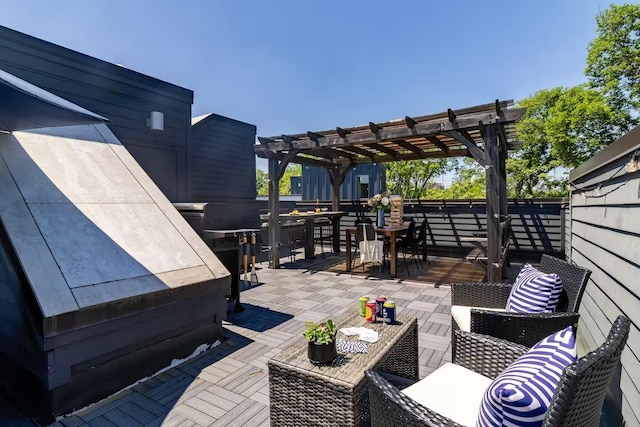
(262, 179)
(292, 169)
(412, 178)
(613, 60)
(262, 183)
(468, 183)
(562, 128)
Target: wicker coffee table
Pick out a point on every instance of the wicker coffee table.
(302, 394)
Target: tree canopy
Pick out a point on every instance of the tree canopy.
(563, 126)
(613, 59)
(412, 178)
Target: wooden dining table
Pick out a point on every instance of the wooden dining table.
(390, 231)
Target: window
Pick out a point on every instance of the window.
(363, 186)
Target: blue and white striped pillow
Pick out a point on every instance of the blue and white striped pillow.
(534, 292)
(521, 394)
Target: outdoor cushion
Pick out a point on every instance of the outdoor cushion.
(452, 391)
(462, 315)
(534, 292)
(521, 394)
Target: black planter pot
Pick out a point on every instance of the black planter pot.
(322, 353)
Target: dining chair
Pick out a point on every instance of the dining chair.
(356, 249)
(371, 249)
(422, 235)
(406, 244)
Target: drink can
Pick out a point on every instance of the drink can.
(389, 312)
(379, 303)
(370, 314)
(362, 302)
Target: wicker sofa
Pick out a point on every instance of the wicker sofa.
(577, 400)
(490, 299)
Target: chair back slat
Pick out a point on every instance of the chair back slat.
(578, 398)
(574, 281)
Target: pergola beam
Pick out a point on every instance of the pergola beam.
(358, 150)
(391, 152)
(475, 151)
(409, 146)
(441, 145)
(420, 129)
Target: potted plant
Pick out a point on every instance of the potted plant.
(322, 341)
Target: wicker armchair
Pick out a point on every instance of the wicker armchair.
(577, 400)
(522, 328)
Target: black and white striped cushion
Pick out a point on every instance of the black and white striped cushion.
(521, 394)
(345, 346)
(534, 292)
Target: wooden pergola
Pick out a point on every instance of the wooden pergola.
(484, 133)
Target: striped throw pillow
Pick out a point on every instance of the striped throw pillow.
(534, 292)
(521, 394)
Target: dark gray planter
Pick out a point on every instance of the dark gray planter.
(322, 354)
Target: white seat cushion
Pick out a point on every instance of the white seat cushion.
(462, 315)
(452, 391)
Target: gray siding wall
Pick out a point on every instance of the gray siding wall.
(122, 95)
(223, 163)
(605, 238)
(316, 184)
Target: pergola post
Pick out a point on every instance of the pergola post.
(495, 200)
(336, 177)
(274, 213)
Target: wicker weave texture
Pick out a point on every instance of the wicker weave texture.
(303, 394)
(574, 280)
(522, 328)
(577, 401)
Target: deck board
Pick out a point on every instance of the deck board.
(228, 384)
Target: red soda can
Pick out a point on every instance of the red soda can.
(370, 311)
(380, 303)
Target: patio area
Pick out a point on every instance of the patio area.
(228, 384)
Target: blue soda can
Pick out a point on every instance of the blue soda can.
(379, 305)
(389, 312)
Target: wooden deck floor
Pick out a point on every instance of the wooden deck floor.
(228, 385)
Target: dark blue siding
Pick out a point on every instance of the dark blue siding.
(122, 95)
(223, 163)
(316, 184)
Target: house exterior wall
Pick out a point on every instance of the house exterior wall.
(223, 164)
(605, 238)
(316, 184)
(122, 95)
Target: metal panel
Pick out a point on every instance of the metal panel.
(223, 163)
(122, 95)
(316, 183)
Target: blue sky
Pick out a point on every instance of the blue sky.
(292, 66)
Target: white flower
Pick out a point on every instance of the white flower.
(370, 202)
(378, 197)
(385, 201)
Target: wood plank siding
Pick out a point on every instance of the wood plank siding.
(316, 183)
(223, 164)
(604, 236)
(124, 96)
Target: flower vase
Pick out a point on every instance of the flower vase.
(380, 218)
